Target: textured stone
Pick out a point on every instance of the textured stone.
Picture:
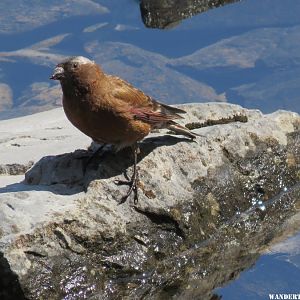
(205, 212)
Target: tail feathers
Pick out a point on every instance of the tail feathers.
(169, 110)
(172, 109)
(181, 130)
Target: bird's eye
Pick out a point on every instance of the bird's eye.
(75, 65)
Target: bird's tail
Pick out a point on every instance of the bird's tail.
(181, 130)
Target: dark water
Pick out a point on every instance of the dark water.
(246, 53)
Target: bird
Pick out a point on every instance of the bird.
(110, 110)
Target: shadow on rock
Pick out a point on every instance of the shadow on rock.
(10, 288)
(71, 173)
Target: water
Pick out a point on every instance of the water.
(277, 272)
(246, 53)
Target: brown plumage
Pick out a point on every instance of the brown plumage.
(110, 110)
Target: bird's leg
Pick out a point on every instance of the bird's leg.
(92, 157)
(134, 179)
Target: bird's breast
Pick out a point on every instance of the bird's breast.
(104, 122)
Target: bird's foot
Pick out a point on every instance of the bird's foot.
(92, 157)
(133, 188)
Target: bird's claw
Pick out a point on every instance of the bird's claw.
(133, 187)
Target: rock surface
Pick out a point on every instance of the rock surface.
(205, 212)
(167, 14)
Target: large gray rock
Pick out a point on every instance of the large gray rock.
(206, 208)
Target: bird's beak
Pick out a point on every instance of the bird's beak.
(58, 73)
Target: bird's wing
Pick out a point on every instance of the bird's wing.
(142, 106)
(150, 116)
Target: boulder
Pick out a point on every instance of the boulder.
(207, 208)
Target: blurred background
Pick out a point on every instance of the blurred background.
(246, 52)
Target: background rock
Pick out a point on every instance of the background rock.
(6, 96)
(232, 54)
(26, 15)
(167, 14)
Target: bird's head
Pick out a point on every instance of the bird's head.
(70, 67)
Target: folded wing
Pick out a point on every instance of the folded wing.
(142, 106)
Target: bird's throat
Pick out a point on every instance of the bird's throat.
(75, 91)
